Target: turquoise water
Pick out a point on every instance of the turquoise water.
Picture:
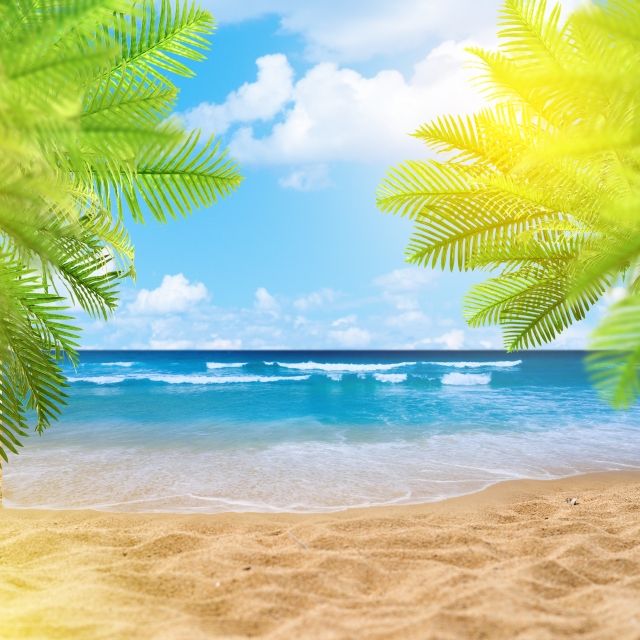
(313, 431)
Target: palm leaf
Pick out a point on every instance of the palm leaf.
(85, 91)
(179, 178)
(542, 186)
(615, 362)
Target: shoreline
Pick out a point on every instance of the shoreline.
(514, 560)
(503, 488)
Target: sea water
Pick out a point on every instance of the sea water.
(314, 431)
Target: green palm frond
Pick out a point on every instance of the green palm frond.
(85, 92)
(615, 360)
(180, 177)
(532, 307)
(151, 47)
(531, 31)
(125, 100)
(543, 185)
(34, 333)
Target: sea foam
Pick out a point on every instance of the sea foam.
(117, 364)
(309, 476)
(225, 365)
(499, 364)
(98, 379)
(466, 379)
(342, 367)
(170, 378)
(199, 379)
(394, 378)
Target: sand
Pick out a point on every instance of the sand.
(515, 561)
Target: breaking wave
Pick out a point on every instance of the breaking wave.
(225, 365)
(394, 378)
(117, 364)
(499, 364)
(342, 367)
(169, 378)
(466, 379)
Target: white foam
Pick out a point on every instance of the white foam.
(393, 378)
(98, 379)
(466, 379)
(117, 364)
(336, 377)
(477, 365)
(200, 379)
(170, 378)
(342, 367)
(306, 476)
(225, 365)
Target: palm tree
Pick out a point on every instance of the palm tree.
(85, 93)
(542, 187)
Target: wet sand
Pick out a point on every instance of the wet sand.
(514, 561)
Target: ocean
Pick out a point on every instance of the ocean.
(199, 431)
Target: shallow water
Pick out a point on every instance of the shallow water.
(312, 431)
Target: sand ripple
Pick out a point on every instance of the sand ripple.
(516, 561)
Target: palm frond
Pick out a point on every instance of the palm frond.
(543, 185)
(180, 177)
(614, 363)
(152, 46)
(85, 91)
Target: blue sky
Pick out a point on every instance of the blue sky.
(315, 100)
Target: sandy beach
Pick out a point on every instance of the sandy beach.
(514, 561)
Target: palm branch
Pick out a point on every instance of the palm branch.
(543, 185)
(85, 90)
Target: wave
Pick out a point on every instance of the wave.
(98, 379)
(341, 367)
(394, 378)
(476, 365)
(466, 379)
(199, 379)
(170, 378)
(117, 364)
(305, 476)
(225, 365)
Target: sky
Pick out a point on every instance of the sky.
(316, 100)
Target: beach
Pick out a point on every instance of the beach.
(513, 561)
(204, 432)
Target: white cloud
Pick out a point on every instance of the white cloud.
(338, 114)
(406, 279)
(345, 321)
(349, 31)
(412, 318)
(335, 113)
(315, 299)
(402, 287)
(261, 100)
(309, 178)
(452, 339)
(265, 302)
(178, 345)
(355, 31)
(174, 295)
(223, 343)
(170, 345)
(352, 338)
(615, 294)
(574, 337)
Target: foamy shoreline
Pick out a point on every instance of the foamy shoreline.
(513, 560)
